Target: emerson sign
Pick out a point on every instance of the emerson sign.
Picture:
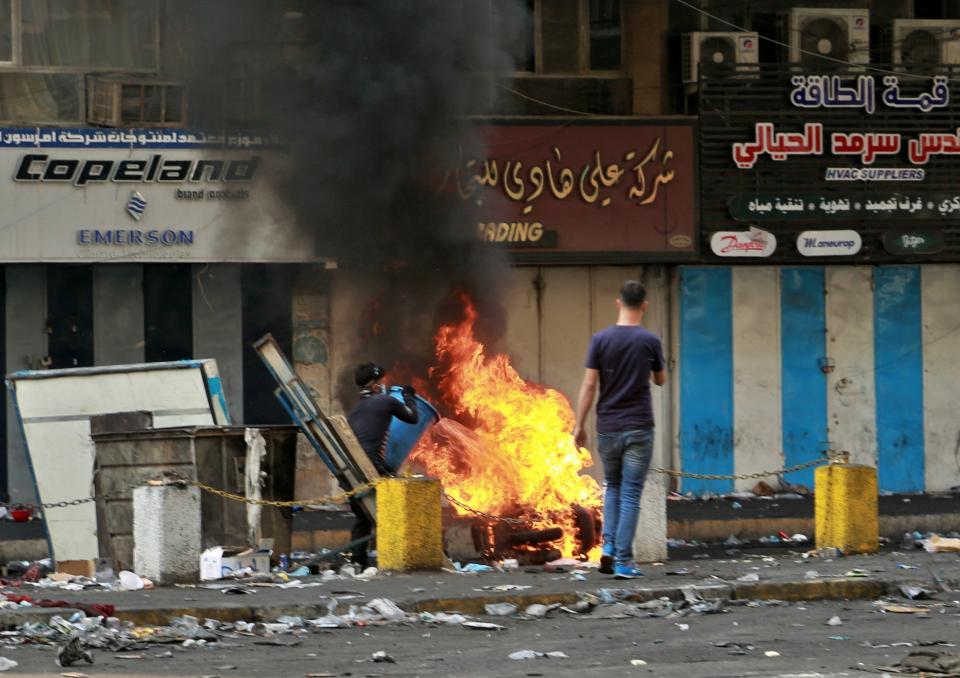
(140, 195)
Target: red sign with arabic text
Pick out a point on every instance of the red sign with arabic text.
(575, 186)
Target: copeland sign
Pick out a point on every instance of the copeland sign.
(91, 195)
(828, 243)
(752, 243)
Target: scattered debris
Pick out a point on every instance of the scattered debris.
(500, 609)
(834, 621)
(637, 662)
(7, 664)
(904, 609)
(533, 654)
(735, 648)
(72, 652)
(771, 653)
(926, 663)
(913, 592)
(380, 657)
(752, 576)
(482, 626)
(937, 544)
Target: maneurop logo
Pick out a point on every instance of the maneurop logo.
(829, 243)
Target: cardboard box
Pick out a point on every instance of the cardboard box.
(219, 562)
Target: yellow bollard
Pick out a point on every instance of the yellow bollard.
(846, 508)
(409, 533)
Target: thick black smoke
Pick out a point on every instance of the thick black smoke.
(369, 99)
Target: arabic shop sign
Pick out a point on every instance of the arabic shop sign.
(844, 206)
(578, 186)
(913, 242)
(830, 92)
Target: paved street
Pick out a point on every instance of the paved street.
(595, 646)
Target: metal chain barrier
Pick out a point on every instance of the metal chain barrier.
(331, 499)
(342, 496)
(741, 476)
(488, 516)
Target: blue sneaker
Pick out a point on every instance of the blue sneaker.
(606, 559)
(626, 571)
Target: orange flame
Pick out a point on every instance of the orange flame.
(507, 448)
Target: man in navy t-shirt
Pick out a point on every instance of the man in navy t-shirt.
(622, 359)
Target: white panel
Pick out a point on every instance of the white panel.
(55, 412)
(522, 340)
(940, 289)
(851, 398)
(757, 431)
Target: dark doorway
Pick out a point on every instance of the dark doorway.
(70, 316)
(267, 307)
(167, 312)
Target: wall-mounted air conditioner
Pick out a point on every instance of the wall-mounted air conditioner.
(129, 101)
(827, 40)
(719, 55)
(923, 44)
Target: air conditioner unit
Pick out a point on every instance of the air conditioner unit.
(922, 44)
(842, 36)
(126, 101)
(719, 55)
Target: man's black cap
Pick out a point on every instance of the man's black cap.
(368, 372)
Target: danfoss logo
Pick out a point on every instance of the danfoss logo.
(733, 244)
(39, 167)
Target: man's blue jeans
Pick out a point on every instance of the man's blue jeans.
(626, 459)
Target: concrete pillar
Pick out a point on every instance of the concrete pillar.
(846, 508)
(218, 327)
(26, 345)
(650, 540)
(166, 533)
(409, 532)
(118, 314)
(645, 31)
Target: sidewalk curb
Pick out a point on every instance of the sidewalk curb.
(806, 590)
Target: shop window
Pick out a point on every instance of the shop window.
(70, 316)
(40, 97)
(6, 31)
(605, 35)
(560, 36)
(167, 312)
(118, 34)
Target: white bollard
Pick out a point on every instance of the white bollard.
(166, 533)
(650, 541)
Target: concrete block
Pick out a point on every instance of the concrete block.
(409, 532)
(846, 508)
(650, 541)
(166, 533)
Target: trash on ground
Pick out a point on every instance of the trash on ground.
(771, 653)
(7, 664)
(482, 626)
(834, 621)
(937, 544)
(735, 648)
(752, 576)
(811, 574)
(72, 652)
(637, 662)
(904, 566)
(856, 572)
(533, 654)
(381, 656)
(500, 609)
(904, 609)
(914, 592)
(926, 663)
